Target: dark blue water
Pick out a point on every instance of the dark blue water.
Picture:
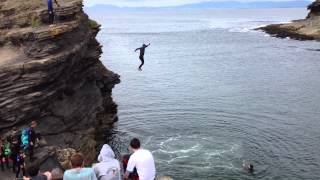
(214, 93)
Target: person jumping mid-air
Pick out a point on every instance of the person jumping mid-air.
(141, 57)
(50, 10)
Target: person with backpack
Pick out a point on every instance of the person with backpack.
(108, 167)
(24, 138)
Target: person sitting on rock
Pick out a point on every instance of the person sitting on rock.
(78, 172)
(51, 11)
(142, 160)
(108, 167)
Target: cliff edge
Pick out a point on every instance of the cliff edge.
(304, 29)
(52, 74)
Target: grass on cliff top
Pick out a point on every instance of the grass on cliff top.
(93, 23)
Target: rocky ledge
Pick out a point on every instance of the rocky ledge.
(304, 29)
(52, 74)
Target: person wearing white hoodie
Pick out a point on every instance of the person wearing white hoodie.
(108, 167)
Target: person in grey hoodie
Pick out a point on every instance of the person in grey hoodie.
(108, 167)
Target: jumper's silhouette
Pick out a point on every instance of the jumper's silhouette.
(141, 57)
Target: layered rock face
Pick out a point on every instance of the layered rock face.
(52, 74)
(305, 29)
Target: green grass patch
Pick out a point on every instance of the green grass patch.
(35, 22)
(93, 23)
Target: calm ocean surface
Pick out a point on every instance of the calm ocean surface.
(214, 93)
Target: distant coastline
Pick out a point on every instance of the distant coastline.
(207, 5)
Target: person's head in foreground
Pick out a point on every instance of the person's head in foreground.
(106, 154)
(77, 160)
(33, 171)
(135, 144)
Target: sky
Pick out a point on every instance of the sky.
(155, 3)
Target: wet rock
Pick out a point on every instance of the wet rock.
(305, 29)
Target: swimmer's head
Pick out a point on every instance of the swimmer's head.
(250, 167)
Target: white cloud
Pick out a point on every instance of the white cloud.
(153, 3)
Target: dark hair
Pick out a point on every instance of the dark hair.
(251, 167)
(77, 160)
(135, 143)
(33, 170)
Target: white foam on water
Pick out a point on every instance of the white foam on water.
(184, 151)
(179, 157)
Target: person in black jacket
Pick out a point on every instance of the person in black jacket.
(32, 139)
(15, 148)
(21, 163)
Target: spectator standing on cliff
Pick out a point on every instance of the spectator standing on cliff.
(108, 167)
(142, 160)
(141, 57)
(2, 153)
(15, 148)
(51, 11)
(6, 151)
(21, 163)
(78, 172)
(13, 134)
(33, 139)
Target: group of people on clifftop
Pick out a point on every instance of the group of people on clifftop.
(19, 145)
(16, 147)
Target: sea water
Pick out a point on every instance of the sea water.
(214, 92)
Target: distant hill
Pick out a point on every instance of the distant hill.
(208, 5)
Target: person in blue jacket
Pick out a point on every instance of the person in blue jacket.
(51, 11)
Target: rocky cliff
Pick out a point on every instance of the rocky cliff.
(52, 74)
(305, 29)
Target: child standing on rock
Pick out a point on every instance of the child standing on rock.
(21, 163)
(2, 154)
(15, 147)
